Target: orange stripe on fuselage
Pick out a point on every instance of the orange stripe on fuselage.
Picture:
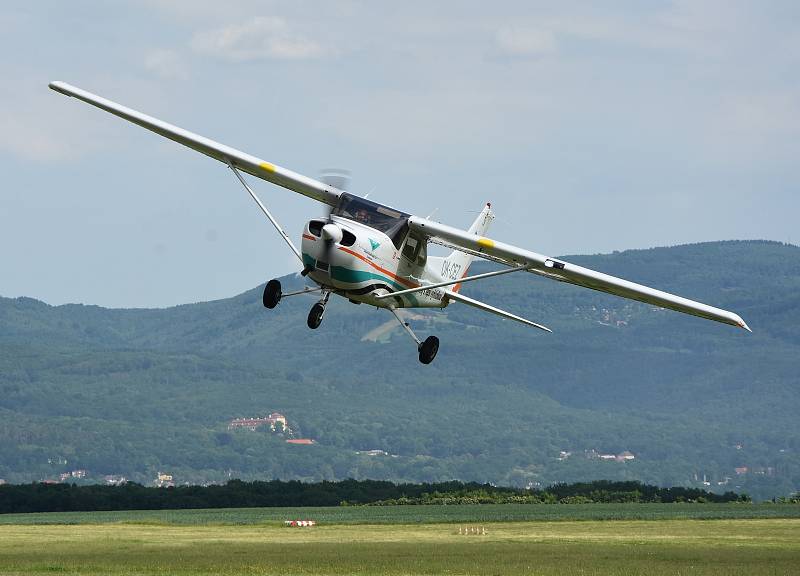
(382, 270)
(457, 287)
(309, 237)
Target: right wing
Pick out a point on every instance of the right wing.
(241, 160)
(557, 269)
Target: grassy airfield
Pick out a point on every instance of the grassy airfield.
(135, 545)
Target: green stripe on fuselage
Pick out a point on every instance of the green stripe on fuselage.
(350, 276)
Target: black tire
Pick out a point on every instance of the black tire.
(315, 316)
(428, 349)
(272, 294)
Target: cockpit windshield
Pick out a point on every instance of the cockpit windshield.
(389, 221)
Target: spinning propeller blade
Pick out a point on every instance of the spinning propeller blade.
(331, 233)
(336, 177)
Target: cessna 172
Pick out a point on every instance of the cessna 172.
(373, 254)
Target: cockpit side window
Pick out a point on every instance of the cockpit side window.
(422, 255)
(411, 249)
(414, 250)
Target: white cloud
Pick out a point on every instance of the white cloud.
(261, 38)
(166, 64)
(526, 41)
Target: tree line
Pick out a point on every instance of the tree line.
(41, 497)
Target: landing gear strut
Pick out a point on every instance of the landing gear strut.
(273, 295)
(318, 311)
(427, 349)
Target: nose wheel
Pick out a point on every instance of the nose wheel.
(317, 312)
(315, 316)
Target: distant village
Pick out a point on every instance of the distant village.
(274, 422)
(699, 478)
(277, 423)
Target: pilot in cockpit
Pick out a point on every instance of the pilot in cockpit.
(362, 216)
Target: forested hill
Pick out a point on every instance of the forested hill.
(136, 392)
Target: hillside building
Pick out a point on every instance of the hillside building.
(164, 480)
(276, 422)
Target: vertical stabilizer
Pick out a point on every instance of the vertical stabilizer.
(457, 264)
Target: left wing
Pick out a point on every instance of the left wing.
(571, 273)
(241, 160)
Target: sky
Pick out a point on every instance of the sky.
(591, 127)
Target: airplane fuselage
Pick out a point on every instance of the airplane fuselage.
(366, 263)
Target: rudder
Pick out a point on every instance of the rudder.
(457, 263)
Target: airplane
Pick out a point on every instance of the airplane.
(373, 254)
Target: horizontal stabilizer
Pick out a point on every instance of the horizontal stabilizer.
(485, 307)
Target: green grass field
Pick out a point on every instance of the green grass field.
(422, 514)
(209, 542)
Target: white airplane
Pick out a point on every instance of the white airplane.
(371, 253)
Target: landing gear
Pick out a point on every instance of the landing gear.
(428, 349)
(272, 294)
(318, 311)
(315, 316)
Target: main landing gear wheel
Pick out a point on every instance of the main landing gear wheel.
(315, 316)
(428, 349)
(272, 294)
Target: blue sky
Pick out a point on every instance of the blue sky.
(590, 126)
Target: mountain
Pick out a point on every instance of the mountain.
(137, 392)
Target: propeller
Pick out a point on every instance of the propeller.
(331, 233)
(336, 177)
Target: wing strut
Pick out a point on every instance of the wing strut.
(487, 308)
(451, 282)
(277, 226)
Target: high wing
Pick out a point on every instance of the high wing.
(565, 272)
(460, 239)
(240, 160)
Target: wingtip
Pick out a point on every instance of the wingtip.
(59, 86)
(742, 324)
